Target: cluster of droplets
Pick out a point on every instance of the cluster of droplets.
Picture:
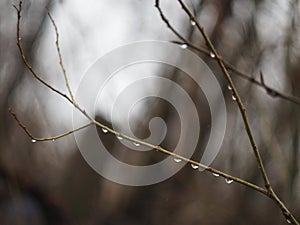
(119, 137)
(233, 95)
(227, 180)
(177, 160)
(194, 166)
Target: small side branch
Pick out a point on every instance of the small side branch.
(34, 138)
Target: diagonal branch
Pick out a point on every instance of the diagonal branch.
(235, 93)
(270, 91)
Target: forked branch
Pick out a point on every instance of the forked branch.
(266, 191)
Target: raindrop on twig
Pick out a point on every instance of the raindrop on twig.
(184, 46)
(228, 181)
(177, 160)
(119, 137)
(105, 131)
(136, 144)
(233, 97)
(194, 166)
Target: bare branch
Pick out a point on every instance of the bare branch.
(110, 130)
(270, 91)
(59, 54)
(221, 63)
(26, 63)
(218, 58)
(268, 191)
(34, 138)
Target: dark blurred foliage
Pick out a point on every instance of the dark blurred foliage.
(40, 184)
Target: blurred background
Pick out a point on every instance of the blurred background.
(50, 183)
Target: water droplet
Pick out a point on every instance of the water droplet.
(229, 87)
(184, 46)
(212, 55)
(136, 144)
(194, 166)
(233, 97)
(228, 181)
(216, 174)
(53, 139)
(193, 23)
(105, 131)
(177, 160)
(33, 140)
(20, 39)
(119, 137)
(288, 221)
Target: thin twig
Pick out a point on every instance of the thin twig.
(34, 138)
(59, 54)
(37, 76)
(269, 90)
(19, 9)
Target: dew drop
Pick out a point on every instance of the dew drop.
(212, 55)
(216, 174)
(193, 23)
(229, 87)
(33, 140)
(136, 144)
(288, 221)
(53, 139)
(177, 160)
(233, 97)
(194, 166)
(20, 39)
(184, 46)
(119, 137)
(105, 131)
(228, 181)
